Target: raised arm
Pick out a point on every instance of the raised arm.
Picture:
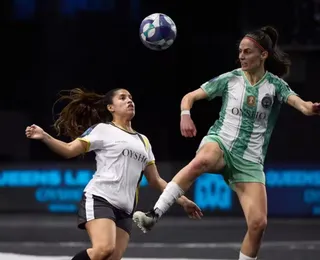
(67, 150)
(189, 99)
(209, 90)
(187, 127)
(308, 108)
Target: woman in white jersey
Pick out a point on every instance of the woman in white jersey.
(236, 144)
(102, 123)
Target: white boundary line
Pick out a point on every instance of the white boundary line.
(268, 244)
(31, 257)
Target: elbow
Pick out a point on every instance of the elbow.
(69, 152)
(189, 97)
(154, 184)
(67, 156)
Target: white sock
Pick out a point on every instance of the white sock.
(244, 257)
(169, 196)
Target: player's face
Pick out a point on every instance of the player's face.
(122, 104)
(250, 56)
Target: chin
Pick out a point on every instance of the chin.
(131, 115)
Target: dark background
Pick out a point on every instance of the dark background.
(52, 45)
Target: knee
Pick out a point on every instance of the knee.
(103, 252)
(257, 223)
(206, 160)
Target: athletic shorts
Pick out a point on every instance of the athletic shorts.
(94, 207)
(237, 169)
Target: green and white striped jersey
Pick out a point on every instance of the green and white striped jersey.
(248, 113)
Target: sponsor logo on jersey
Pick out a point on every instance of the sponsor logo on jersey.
(251, 101)
(88, 131)
(248, 113)
(267, 101)
(134, 155)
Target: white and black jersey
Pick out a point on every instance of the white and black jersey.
(121, 158)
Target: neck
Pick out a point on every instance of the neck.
(123, 124)
(255, 76)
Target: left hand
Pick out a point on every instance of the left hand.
(192, 209)
(316, 108)
(311, 109)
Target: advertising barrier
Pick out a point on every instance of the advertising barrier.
(58, 188)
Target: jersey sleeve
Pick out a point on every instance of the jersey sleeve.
(216, 86)
(93, 137)
(284, 91)
(151, 158)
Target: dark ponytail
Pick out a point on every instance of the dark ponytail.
(83, 110)
(272, 33)
(277, 62)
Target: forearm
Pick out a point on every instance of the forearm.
(186, 102)
(57, 146)
(304, 107)
(299, 105)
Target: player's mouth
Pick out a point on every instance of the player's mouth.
(131, 106)
(244, 64)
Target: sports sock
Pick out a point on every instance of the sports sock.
(169, 196)
(244, 257)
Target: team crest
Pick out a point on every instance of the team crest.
(251, 101)
(266, 102)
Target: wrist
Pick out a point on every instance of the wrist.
(182, 200)
(185, 112)
(45, 137)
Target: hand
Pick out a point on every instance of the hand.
(35, 132)
(316, 108)
(192, 209)
(187, 127)
(311, 109)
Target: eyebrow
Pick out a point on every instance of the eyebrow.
(123, 94)
(247, 48)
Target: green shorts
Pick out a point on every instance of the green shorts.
(237, 169)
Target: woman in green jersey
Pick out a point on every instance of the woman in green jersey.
(236, 145)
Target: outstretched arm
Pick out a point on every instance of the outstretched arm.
(157, 182)
(67, 150)
(308, 108)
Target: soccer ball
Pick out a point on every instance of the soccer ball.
(158, 31)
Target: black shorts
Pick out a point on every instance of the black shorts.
(94, 207)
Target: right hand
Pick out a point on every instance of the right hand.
(35, 132)
(187, 127)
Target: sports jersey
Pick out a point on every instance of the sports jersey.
(248, 113)
(121, 158)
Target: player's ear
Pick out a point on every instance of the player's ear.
(264, 55)
(110, 108)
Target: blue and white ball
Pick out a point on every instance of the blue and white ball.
(158, 31)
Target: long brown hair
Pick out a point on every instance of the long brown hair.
(83, 110)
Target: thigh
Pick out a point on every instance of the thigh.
(211, 153)
(102, 233)
(253, 199)
(93, 207)
(122, 240)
